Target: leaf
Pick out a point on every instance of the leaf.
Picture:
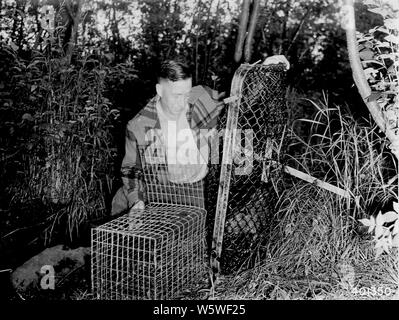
(370, 3)
(374, 96)
(366, 222)
(366, 54)
(27, 117)
(391, 23)
(396, 206)
(365, 62)
(378, 243)
(387, 56)
(395, 241)
(13, 46)
(371, 228)
(384, 44)
(32, 64)
(368, 44)
(396, 228)
(378, 231)
(380, 219)
(392, 38)
(376, 10)
(360, 47)
(365, 38)
(386, 244)
(390, 216)
(379, 11)
(370, 73)
(378, 252)
(381, 29)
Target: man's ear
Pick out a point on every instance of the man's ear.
(158, 87)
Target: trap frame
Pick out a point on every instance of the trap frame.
(155, 253)
(254, 121)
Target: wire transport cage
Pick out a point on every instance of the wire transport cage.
(155, 253)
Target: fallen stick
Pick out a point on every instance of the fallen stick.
(308, 178)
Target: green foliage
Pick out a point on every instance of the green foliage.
(385, 237)
(204, 32)
(378, 50)
(65, 137)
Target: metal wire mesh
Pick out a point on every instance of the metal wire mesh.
(251, 198)
(154, 253)
(160, 190)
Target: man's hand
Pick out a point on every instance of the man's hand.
(139, 205)
(276, 60)
(135, 217)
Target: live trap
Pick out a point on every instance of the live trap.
(158, 252)
(253, 126)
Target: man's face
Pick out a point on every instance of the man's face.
(174, 95)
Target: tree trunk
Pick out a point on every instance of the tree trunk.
(15, 24)
(207, 47)
(39, 29)
(283, 35)
(251, 31)
(75, 25)
(21, 28)
(116, 39)
(242, 30)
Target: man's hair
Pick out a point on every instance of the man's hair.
(174, 70)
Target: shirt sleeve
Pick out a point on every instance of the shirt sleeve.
(131, 170)
(206, 106)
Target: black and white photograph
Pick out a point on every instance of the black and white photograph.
(199, 154)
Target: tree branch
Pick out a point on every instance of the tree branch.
(296, 32)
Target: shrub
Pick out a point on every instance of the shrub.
(66, 145)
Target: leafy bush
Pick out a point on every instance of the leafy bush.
(67, 150)
(378, 49)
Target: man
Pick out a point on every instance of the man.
(172, 121)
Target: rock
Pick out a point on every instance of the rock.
(63, 261)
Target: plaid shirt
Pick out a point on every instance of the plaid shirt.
(202, 114)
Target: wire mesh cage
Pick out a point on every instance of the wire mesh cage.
(158, 252)
(155, 254)
(258, 117)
